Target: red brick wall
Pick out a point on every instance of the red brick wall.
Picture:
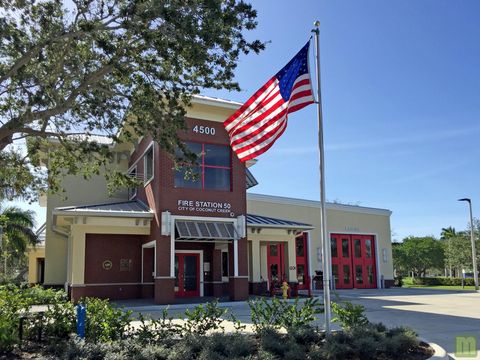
(161, 194)
(102, 247)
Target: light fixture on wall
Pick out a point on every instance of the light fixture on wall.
(384, 255)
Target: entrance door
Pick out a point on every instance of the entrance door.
(301, 250)
(364, 261)
(276, 264)
(187, 274)
(341, 261)
(353, 261)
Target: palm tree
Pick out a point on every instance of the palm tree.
(448, 233)
(17, 232)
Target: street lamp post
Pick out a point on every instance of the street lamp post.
(472, 238)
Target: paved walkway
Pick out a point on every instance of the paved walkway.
(436, 315)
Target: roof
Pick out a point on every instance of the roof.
(250, 179)
(123, 209)
(316, 204)
(266, 221)
(208, 100)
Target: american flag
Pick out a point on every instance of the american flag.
(255, 127)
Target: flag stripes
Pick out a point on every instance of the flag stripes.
(260, 121)
(258, 124)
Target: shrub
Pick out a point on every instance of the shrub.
(277, 313)
(12, 303)
(37, 295)
(104, 321)
(59, 320)
(349, 315)
(203, 318)
(152, 331)
(442, 281)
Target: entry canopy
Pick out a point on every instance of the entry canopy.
(205, 230)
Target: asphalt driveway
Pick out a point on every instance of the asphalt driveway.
(436, 315)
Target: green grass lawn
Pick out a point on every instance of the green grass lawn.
(439, 287)
(408, 283)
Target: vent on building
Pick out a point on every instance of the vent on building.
(204, 230)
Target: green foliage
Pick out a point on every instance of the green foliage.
(152, 331)
(418, 254)
(372, 341)
(17, 235)
(37, 295)
(59, 320)
(276, 313)
(12, 303)
(350, 316)
(203, 318)
(86, 68)
(104, 321)
(442, 281)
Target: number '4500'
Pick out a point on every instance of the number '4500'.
(200, 129)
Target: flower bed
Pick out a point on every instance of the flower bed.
(281, 330)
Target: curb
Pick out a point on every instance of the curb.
(440, 353)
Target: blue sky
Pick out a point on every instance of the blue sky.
(401, 91)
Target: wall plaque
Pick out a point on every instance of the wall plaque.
(107, 265)
(125, 264)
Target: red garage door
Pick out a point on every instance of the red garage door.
(353, 261)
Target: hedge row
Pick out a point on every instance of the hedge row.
(444, 281)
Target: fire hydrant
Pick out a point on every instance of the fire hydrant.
(285, 289)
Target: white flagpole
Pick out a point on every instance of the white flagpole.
(323, 214)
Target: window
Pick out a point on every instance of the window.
(300, 248)
(225, 264)
(212, 171)
(132, 192)
(357, 248)
(333, 251)
(148, 165)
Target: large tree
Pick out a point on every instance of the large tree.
(82, 66)
(418, 254)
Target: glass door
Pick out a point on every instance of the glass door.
(301, 250)
(187, 275)
(341, 261)
(275, 264)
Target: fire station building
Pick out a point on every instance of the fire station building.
(177, 236)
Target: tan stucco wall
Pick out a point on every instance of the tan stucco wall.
(338, 221)
(78, 192)
(33, 254)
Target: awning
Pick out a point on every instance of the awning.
(260, 221)
(204, 230)
(133, 208)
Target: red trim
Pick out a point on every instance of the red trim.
(279, 261)
(203, 166)
(303, 282)
(354, 268)
(180, 277)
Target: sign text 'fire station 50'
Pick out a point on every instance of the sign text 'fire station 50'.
(204, 206)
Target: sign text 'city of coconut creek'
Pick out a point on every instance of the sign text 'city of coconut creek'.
(204, 206)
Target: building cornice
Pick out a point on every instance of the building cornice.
(316, 204)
